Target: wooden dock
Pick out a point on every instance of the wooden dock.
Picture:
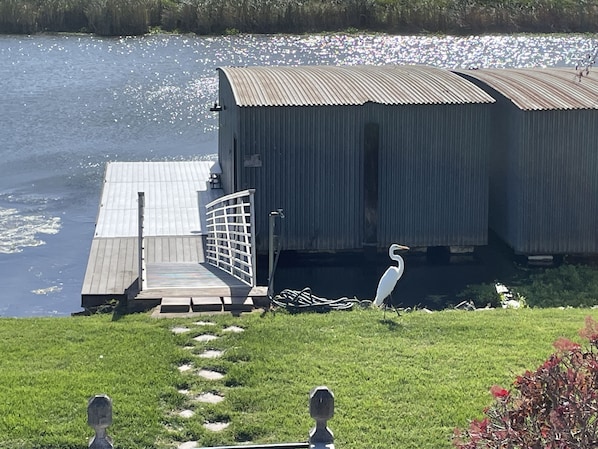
(177, 276)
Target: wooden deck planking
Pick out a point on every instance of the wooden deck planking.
(174, 225)
(189, 275)
(112, 266)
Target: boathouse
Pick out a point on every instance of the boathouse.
(358, 156)
(544, 159)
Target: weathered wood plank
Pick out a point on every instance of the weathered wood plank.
(113, 258)
(89, 271)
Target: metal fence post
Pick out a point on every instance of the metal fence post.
(321, 408)
(99, 417)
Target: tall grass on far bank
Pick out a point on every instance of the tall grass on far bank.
(404, 382)
(134, 17)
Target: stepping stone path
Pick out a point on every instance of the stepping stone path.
(216, 426)
(210, 398)
(186, 414)
(205, 337)
(188, 445)
(205, 397)
(185, 367)
(211, 354)
(210, 375)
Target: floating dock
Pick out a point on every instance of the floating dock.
(177, 277)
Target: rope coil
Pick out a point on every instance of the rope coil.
(304, 300)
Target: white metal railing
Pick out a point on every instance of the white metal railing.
(230, 244)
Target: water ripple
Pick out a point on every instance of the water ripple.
(19, 230)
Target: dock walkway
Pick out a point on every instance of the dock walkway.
(177, 275)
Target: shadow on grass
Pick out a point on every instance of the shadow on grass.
(392, 324)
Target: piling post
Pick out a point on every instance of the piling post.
(99, 417)
(321, 409)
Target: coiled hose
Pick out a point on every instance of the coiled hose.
(303, 301)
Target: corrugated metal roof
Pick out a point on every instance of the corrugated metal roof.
(349, 85)
(542, 89)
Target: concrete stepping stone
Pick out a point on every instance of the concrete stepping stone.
(205, 337)
(188, 445)
(185, 367)
(189, 347)
(216, 426)
(209, 398)
(183, 391)
(234, 329)
(211, 354)
(210, 375)
(186, 413)
(180, 330)
(204, 323)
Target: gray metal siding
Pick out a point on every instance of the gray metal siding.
(432, 171)
(310, 167)
(557, 207)
(433, 187)
(433, 180)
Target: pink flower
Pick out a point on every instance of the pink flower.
(498, 391)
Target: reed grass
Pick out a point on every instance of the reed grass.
(134, 17)
(404, 382)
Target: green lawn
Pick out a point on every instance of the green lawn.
(406, 382)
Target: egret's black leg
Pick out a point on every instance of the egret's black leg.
(396, 310)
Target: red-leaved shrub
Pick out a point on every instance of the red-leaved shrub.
(554, 407)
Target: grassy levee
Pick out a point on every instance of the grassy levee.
(405, 382)
(134, 17)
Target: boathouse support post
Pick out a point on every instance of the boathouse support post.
(99, 417)
(141, 252)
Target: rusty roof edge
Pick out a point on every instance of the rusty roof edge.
(537, 89)
(318, 85)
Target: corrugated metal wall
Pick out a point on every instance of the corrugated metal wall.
(433, 175)
(432, 172)
(543, 162)
(555, 164)
(311, 168)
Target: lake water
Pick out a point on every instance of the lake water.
(71, 103)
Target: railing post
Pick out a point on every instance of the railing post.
(252, 238)
(321, 408)
(99, 417)
(141, 215)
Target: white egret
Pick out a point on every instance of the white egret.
(391, 276)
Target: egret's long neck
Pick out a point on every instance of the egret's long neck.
(400, 264)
